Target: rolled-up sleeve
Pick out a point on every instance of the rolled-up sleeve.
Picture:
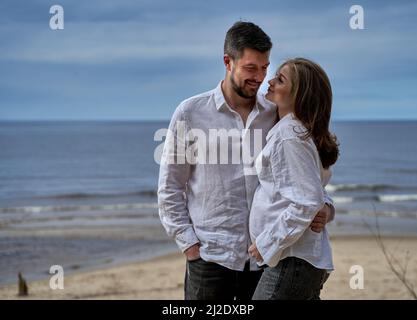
(296, 175)
(329, 201)
(173, 177)
(327, 174)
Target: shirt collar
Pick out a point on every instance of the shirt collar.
(287, 117)
(219, 97)
(220, 101)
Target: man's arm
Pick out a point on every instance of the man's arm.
(325, 215)
(322, 218)
(173, 178)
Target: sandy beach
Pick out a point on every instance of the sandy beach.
(162, 278)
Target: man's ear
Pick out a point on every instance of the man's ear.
(227, 62)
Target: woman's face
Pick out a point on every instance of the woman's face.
(279, 91)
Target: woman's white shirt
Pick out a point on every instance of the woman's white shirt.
(289, 195)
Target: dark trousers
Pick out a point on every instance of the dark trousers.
(211, 281)
(291, 279)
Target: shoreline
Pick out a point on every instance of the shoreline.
(162, 277)
(135, 251)
(33, 250)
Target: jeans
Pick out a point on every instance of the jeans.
(211, 281)
(292, 279)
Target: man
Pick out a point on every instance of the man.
(205, 206)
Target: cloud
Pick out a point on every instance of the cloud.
(325, 35)
(131, 50)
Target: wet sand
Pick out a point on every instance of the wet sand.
(162, 278)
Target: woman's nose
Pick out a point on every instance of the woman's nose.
(271, 82)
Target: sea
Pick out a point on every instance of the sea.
(82, 194)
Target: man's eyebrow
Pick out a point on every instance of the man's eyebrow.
(249, 65)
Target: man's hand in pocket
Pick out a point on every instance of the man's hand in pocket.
(193, 252)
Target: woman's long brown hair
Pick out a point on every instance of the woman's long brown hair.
(312, 95)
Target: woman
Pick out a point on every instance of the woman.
(293, 170)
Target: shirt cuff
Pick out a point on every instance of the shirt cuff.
(186, 239)
(266, 247)
(332, 211)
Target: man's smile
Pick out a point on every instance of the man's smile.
(253, 84)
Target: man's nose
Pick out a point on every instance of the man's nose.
(259, 76)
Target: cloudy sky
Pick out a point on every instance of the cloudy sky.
(137, 59)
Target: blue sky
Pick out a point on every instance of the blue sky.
(136, 60)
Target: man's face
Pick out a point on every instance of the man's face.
(248, 72)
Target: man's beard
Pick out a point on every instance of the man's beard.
(239, 90)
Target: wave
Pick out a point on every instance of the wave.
(376, 198)
(107, 207)
(363, 187)
(84, 195)
(154, 205)
(398, 197)
(340, 200)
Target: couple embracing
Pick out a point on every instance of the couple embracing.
(254, 236)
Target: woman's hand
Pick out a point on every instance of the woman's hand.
(253, 252)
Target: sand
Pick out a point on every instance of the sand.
(162, 278)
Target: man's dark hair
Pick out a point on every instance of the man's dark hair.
(245, 35)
